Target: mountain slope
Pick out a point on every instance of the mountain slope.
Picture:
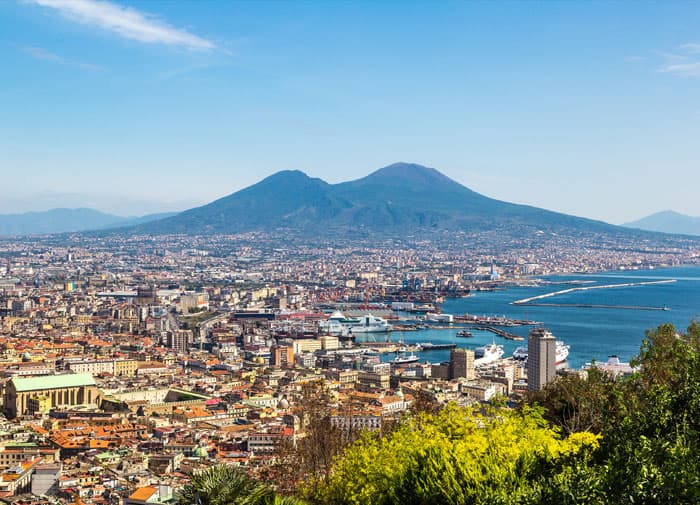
(66, 220)
(424, 196)
(287, 198)
(668, 221)
(393, 199)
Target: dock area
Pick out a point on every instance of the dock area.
(502, 333)
(392, 347)
(429, 346)
(494, 321)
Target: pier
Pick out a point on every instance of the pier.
(494, 321)
(533, 300)
(392, 347)
(429, 346)
(502, 333)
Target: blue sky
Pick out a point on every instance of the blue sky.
(589, 108)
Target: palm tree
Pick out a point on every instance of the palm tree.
(229, 485)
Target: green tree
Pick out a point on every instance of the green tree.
(649, 422)
(229, 485)
(457, 456)
(588, 402)
(652, 456)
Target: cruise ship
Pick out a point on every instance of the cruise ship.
(338, 324)
(561, 350)
(487, 354)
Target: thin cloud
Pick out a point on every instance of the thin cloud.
(42, 54)
(692, 48)
(126, 22)
(685, 64)
(691, 69)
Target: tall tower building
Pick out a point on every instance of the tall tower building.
(541, 358)
(462, 364)
(179, 340)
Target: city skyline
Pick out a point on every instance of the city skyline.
(590, 110)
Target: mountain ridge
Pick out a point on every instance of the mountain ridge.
(65, 220)
(391, 199)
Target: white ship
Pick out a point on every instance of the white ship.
(487, 354)
(338, 324)
(432, 317)
(402, 359)
(561, 350)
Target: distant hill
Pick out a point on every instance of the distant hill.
(67, 220)
(668, 221)
(396, 199)
(133, 221)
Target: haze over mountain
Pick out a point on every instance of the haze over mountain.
(67, 220)
(399, 198)
(668, 221)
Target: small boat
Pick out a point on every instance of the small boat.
(464, 333)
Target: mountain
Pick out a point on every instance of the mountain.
(392, 200)
(133, 221)
(668, 221)
(287, 197)
(67, 220)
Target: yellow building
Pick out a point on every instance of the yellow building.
(39, 404)
(125, 367)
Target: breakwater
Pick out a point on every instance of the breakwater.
(533, 300)
(594, 306)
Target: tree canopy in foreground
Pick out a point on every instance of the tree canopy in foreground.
(456, 456)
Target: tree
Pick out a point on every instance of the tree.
(229, 485)
(310, 459)
(582, 403)
(649, 422)
(651, 456)
(457, 456)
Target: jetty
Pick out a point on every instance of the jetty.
(529, 301)
(596, 306)
(494, 321)
(502, 333)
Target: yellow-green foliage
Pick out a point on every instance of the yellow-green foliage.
(457, 456)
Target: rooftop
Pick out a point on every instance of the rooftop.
(53, 382)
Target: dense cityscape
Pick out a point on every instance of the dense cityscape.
(131, 362)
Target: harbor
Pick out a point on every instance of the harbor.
(475, 321)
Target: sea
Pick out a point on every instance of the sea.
(592, 333)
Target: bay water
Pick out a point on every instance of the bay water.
(591, 333)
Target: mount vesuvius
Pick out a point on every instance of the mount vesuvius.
(398, 198)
